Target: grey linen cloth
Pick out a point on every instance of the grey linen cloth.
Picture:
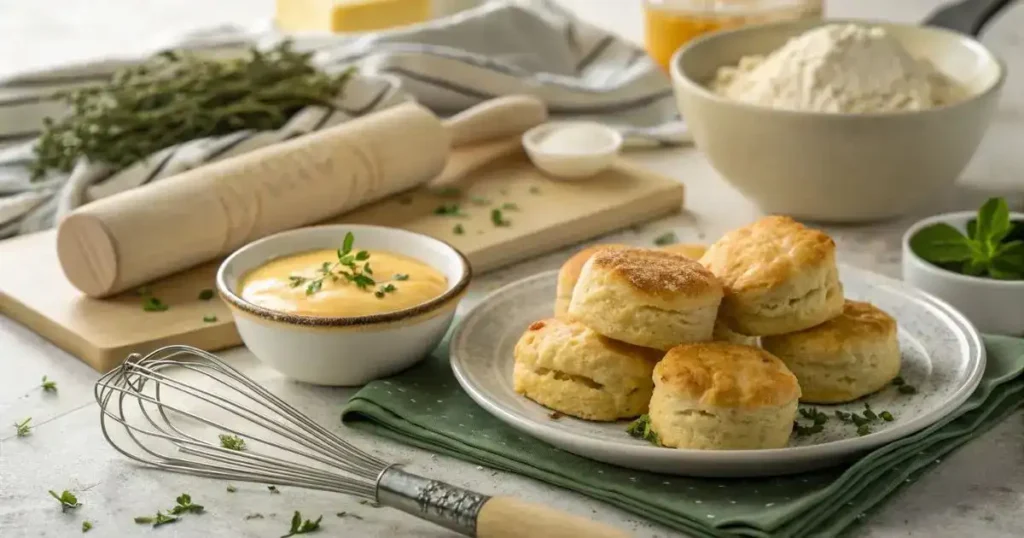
(502, 47)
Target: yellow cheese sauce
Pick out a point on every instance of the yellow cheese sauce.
(271, 285)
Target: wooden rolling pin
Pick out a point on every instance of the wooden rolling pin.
(134, 237)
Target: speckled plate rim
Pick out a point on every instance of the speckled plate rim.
(974, 363)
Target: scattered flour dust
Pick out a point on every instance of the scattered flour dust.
(843, 68)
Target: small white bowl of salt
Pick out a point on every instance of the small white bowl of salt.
(572, 149)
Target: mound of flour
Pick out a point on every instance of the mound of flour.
(838, 68)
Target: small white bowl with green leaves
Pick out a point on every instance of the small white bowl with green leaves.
(974, 261)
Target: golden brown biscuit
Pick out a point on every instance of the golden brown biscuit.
(567, 367)
(570, 273)
(721, 396)
(844, 358)
(778, 277)
(646, 297)
(723, 333)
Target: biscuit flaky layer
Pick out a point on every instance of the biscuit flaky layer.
(570, 273)
(646, 297)
(778, 276)
(721, 396)
(845, 358)
(568, 367)
(570, 270)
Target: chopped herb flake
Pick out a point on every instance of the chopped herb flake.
(303, 527)
(886, 416)
(641, 429)
(509, 206)
(231, 442)
(667, 238)
(498, 219)
(86, 526)
(67, 500)
(206, 295)
(49, 385)
(458, 229)
(450, 210)
(23, 428)
(907, 389)
(210, 318)
(153, 304)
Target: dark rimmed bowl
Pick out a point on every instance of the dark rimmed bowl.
(344, 351)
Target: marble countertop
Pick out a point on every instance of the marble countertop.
(978, 491)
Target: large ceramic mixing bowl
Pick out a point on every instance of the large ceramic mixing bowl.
(837, 167)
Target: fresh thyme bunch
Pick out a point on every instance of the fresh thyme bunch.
(177, 97)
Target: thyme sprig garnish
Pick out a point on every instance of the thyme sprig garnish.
(347, 267)
(177, 97)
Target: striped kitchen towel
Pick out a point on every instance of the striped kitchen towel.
(502, 47)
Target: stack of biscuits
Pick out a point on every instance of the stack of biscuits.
(718, 346)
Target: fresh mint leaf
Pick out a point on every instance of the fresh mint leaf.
(993, 222)
(941, 243)
(1008, 261)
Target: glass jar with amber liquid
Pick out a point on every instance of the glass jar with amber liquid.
(668, 24)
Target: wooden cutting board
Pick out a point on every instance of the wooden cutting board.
(544, 215)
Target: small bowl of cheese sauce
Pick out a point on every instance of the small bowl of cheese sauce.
(343, 304)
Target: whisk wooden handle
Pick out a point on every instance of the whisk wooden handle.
(506, 517)
(473, 514)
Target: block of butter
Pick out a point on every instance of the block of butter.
(349, 15)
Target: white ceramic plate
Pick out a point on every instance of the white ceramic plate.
(943, 358)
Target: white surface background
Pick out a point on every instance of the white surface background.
(978, 492)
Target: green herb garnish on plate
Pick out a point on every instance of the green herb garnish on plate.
(49, 385)
(206, 295)
(987, 250)
(641, 429)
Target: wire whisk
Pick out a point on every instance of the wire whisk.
(169, 409)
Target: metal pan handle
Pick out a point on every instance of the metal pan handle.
(967, 16)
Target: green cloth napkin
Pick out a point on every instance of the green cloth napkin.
(425, 407)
